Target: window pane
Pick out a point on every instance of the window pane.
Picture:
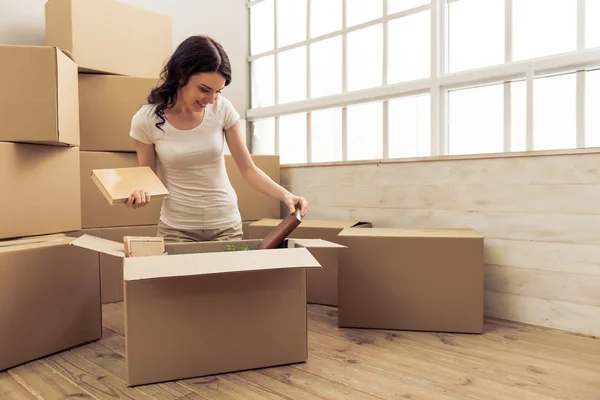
(518, 113)
(409, 39)
(554, 113)
(359, 11)
(409, 127)
(292, 138)
(291, 22)
(326, 67)
(365, 131)
(542, 27)
(592, 27)
(395, 6)
(592, 109)
(365, 58)
(262, 25)
(263, 136)
(292, 75)
(467, 49)
(326, 131)
(325, 17)
(263, 82)
(476, 118)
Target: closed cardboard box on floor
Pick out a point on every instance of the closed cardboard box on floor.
(253, 204)
(207, 309)
(39, 101)
(106, 105)
(411, 279)
(40, 190)
(49, 298)
(96, 212)
(322, 283)
(110, 36)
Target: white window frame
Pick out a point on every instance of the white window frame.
(439, 83)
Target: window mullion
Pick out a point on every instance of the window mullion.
(308, 94)
(344, 84)
(385, 142)
(439, 131)
(580, 93)
(508, 28)
(530, 109)
(276, 55)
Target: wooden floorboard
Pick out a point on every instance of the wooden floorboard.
(509, 361)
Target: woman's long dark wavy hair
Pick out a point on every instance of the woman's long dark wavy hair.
(194, 55)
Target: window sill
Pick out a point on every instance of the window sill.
(484, 156)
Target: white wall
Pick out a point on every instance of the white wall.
(22, 22)
(539, 216)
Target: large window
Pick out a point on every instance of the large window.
(342, 80)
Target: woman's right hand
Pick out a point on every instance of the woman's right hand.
(137, 199)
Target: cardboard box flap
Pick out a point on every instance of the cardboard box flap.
(34, 242)
(100, 245)
(176, 265)
(66, 53)
(411, 232)
(306, 223)
(316, 244)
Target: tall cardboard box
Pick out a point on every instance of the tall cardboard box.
(40, 190)
(204, 309)
(411, 279)
(39, 101)
(96, 212)
(110, 36)
(254, 205)
(49, 298)
(106, 105)
(322, 283)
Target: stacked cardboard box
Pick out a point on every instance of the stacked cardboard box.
(118, 61)
(44, 281)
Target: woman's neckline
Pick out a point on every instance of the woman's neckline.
(190, 129)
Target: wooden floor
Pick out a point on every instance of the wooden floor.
(509, 361)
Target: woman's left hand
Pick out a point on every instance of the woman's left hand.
(296, 202)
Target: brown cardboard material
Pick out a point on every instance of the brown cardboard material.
(245, 225)
(222, 311)
(254, 205)
(106, 105)
(411, 279)
(39, 101)
(141, 246)
(117, 184)
(96, 212)
(40, 190)
(110, 36)
(322, 283)
(112, 267)
(49, 298)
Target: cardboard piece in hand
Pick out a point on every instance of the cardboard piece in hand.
(117, 184)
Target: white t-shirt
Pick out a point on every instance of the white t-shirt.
(200, 193)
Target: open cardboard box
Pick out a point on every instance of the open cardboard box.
(202, 309)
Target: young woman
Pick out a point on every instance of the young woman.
(184, 126)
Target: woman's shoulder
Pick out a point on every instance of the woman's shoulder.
(145, 113)
(223, 104)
